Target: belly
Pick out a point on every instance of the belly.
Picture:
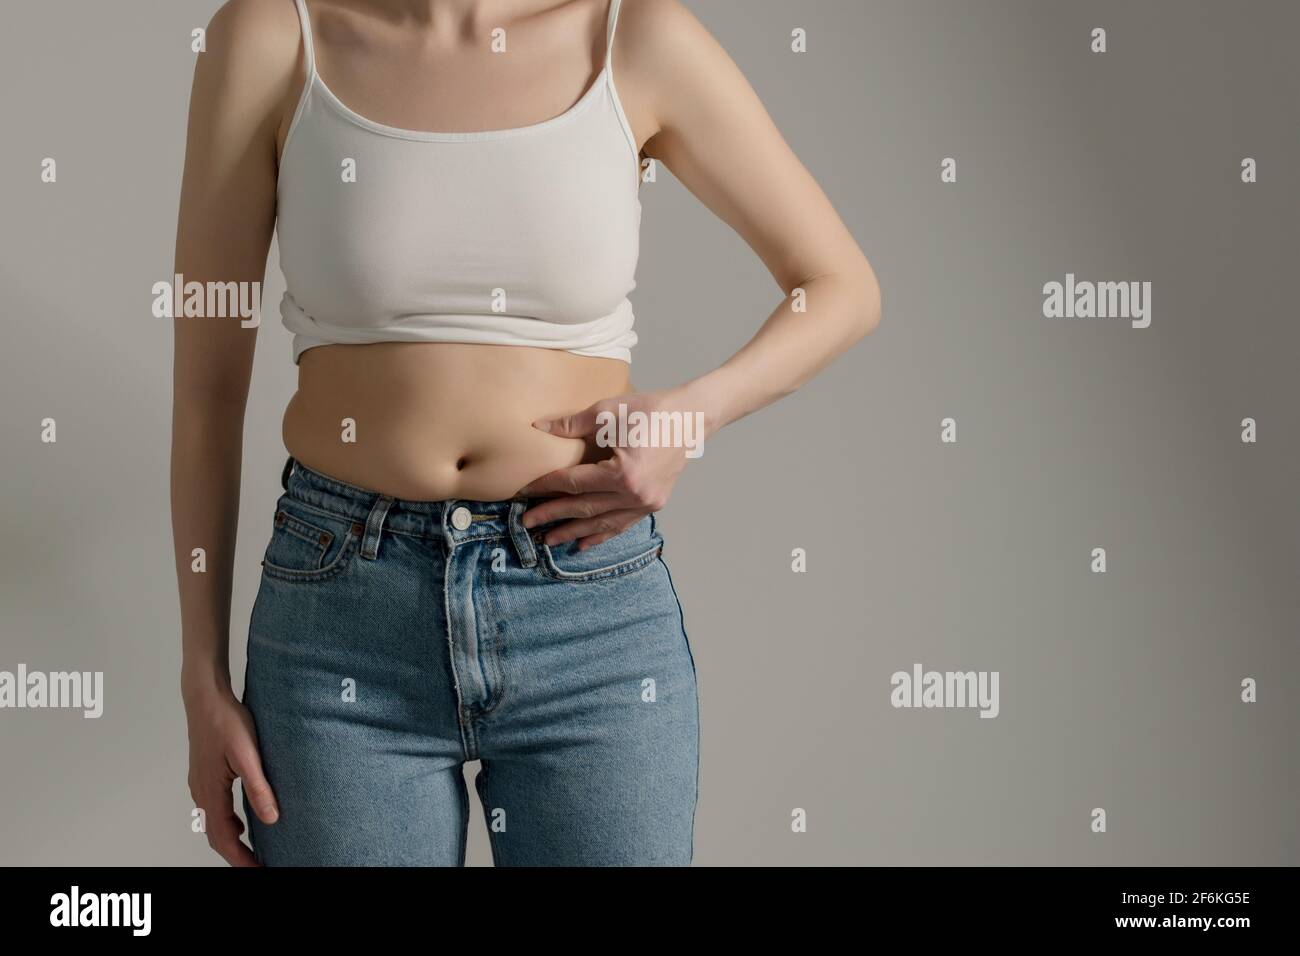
(432, 421)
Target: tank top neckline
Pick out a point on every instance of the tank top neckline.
(335, 103)
(603, 82)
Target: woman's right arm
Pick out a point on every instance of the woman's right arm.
(243, 84)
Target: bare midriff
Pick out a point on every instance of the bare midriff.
(436, 421)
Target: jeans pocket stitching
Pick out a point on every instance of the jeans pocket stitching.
(340, 563)
(620, 569)
(304, 530)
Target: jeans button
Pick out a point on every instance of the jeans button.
(461, 518)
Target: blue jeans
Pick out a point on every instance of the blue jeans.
(392, 641)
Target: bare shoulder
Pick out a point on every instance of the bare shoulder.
(252, 55)
(651, 27)
(664, 55)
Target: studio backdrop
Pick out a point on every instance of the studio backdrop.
(1014, 582)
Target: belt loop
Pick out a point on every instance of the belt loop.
(520, 535)
(284, 475)
(374, 527)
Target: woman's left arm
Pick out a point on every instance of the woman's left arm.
(713, 133)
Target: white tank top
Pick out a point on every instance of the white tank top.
(523, 236)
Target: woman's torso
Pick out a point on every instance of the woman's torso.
(431, 221)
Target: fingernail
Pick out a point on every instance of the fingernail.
(542, 426)
(270, 814)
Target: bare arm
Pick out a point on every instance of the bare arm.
(227, 215)
(710, 128)
(719, 141)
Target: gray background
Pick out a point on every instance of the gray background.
(1118, 690)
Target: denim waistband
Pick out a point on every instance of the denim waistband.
(452, 521)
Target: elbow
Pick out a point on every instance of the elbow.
(866, 303)
(873, 308)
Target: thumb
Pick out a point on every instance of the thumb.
(578, 425)
(248, 766)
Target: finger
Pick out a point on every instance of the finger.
(223, 830)
(576, 480)
(247, 765)
(571, 506)
(592, 540)
(578, 425)
(236, 852)
(611, 522)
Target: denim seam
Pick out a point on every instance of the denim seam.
(451, 650)
(681, 615)
(496, 650)
(329, 513)
(438, 535)
(479, 537)
(325, 512)
(314, 479)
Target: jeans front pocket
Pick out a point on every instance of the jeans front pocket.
(309, 544)
(633, 550)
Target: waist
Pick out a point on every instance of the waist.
(438, 421)
(463, 518)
